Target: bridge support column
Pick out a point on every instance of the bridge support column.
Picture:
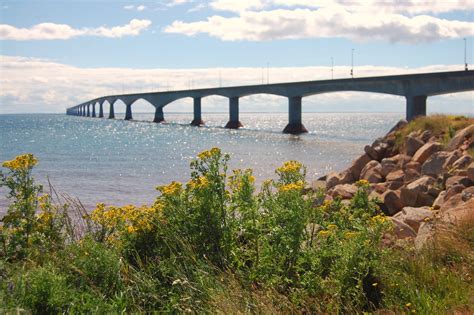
(294, 117)
(234, 122)
(416, 106)
(197, 120)
(93, 110)
(159, 116)
(101, 110)
(128, 112)
(88, 110)
(111, 111)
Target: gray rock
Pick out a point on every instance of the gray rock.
(434, 165)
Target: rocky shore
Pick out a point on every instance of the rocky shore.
(421, 174)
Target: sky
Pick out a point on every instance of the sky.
(56, 54)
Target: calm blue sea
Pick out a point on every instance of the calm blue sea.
(120, 162)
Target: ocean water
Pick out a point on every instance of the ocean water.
(121, 162)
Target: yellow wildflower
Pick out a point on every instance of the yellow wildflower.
(200, 182)
(290, 167)
(171, 189)
(209, 153)
(375, 284)
(25, 161)
(324, 233)
(362, 183)
(379, 219)
(350, 234)
(332, 227)
(131, 229)
(291, 187)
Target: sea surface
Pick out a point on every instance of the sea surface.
(121, 162)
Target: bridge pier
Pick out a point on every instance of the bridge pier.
(88, 110)
(101, 110)
(234, 122)
(197, 120)
(159, 116)
(111, 111)
(93, 110)
(128, 112)
(416, 106)
(294, 117)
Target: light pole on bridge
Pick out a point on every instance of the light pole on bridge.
(465, 54)
(352, 63)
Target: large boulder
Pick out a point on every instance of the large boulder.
(334, 179)
(423, 153)
(390, 202)
(372, 172)
(434, 165)
(388, 165)
(415, 194)
(462, 212)
(400, 124)
(460, 137)
(453, 157)
(344, 191)
(412, 144)
(358, 164)
(462, 162)
(424, 235)
(414, 217)
(457, 180)
(402, 230)
(411, 175)
(395, 176)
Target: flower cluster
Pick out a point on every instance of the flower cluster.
(209, 153)
(127, 218)
(172, 189)
(290, 167)
(25, 161)
(291, 187)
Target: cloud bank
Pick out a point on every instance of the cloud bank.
(50, 31)
(394, 21)
(35, 85)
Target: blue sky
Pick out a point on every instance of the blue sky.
(56, 53)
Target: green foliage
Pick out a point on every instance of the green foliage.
(442, 126)
(215, 238)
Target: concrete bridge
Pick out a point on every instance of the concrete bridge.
(414, 87)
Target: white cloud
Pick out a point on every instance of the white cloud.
(174, 3)
(385, 6)
(36, 85)
(141, 7)
(49, 31)
(258, 20)
(129, 7)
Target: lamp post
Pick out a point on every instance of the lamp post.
(352, 63)
(465, 54)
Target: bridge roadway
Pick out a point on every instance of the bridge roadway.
(414, 87)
